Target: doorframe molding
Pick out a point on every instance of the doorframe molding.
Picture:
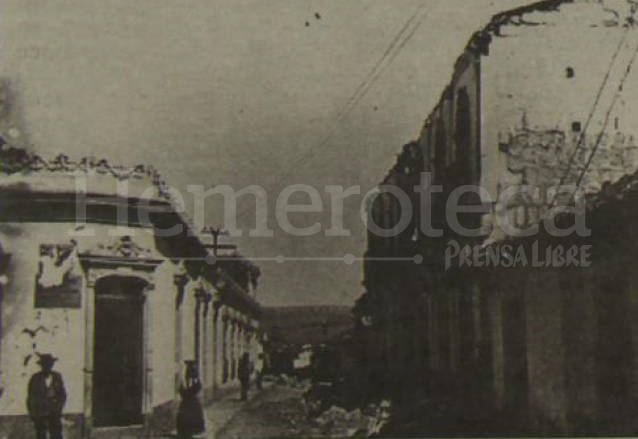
(98, 265)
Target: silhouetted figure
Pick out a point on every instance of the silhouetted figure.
(244, 371)
(190, 416)
(259, 376)
(46, 399)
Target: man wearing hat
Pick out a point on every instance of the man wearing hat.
(46, 399)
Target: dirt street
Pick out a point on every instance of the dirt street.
(277, 413)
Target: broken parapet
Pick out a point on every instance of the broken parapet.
(546, 158)
(551, 157)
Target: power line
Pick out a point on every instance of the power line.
(353, 102)
(594, 107)
(395, 47)
(596, 102)
(386, 53)
(608, 116)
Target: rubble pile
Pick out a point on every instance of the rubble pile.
(337, 422)
(291, 381)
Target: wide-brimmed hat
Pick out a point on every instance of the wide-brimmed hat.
(46, 359)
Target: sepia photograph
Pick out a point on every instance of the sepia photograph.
(318, 219)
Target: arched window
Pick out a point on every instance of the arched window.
(467, 166)
(463, 137)
(440, 151)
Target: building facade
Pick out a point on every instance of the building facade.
(520, 350)
(118, 285)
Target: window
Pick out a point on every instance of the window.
(439, 152)
(463, 136)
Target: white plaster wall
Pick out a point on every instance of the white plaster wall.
(61, 330)
(208, 348)
(162, 334)
(217, 328)
(188, 323)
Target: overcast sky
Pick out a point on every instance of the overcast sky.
(235, 92)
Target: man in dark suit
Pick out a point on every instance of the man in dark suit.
(46, 399)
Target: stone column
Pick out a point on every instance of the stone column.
(237, 343)
(239, 334)
(244, 336)
(199, 301)
(202, 299)
(89, 321)
(496, 312)
(180, 279)
(250, 345)
(216, 346)
(231, 341)
(225, 360)
(453, 304)
(147, 402)
(433, 335)
(4, 281)
(580, 335)
(207, 379)
(546, 353)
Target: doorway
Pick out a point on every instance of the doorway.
(118, 359)
(515, 357)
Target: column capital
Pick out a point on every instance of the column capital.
(180, 280)
(203, 296)
(216, 304)
(180, 277)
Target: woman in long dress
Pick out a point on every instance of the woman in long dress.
(190, 416)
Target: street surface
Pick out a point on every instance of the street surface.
(278, 412)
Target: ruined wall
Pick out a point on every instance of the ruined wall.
(545, 73)
(540, 158)
(439, 134)
(544, 345)
(466, 128)
(545, 352)
(538, 76)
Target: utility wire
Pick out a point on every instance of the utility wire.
(354, 101)
(590, 117)
(608, 116)
(596, 102)
(390, 48)
(395, 47)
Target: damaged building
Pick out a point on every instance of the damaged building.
(542, 96)
(102, 269)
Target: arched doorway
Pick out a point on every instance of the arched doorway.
(118, 352)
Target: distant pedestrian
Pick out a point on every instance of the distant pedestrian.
(46, 399)
(190, 416)
(244, 371)
(259, 376)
